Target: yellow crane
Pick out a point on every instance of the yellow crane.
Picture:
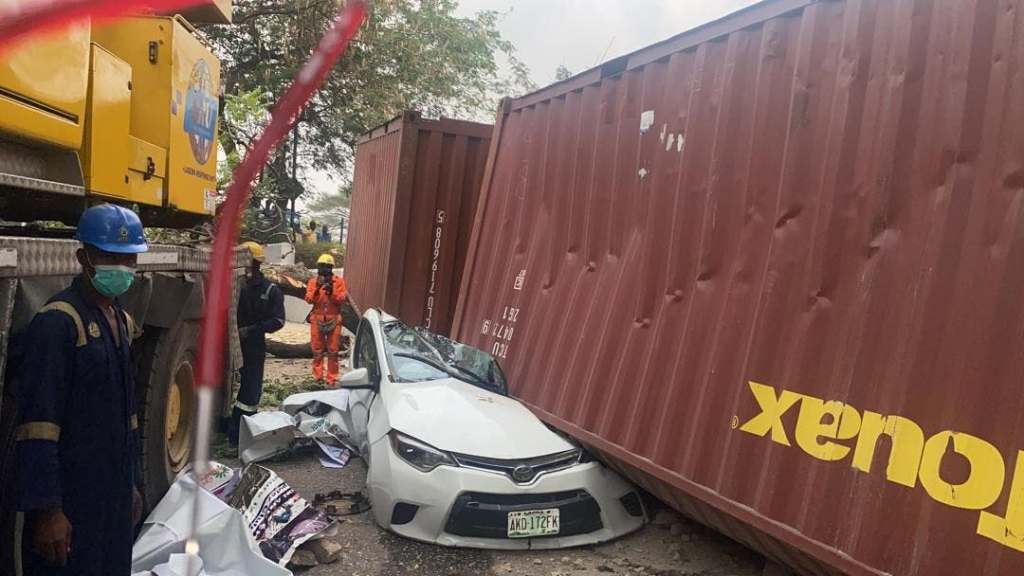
(124, 111)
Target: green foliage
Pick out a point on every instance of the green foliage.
(562, 73)
(277, 390)
(410, 54)
(307, 254)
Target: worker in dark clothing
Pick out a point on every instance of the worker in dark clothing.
(260, 312)
(79, 475)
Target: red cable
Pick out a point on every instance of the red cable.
(27, 19)
(214, 326)
(31, 17)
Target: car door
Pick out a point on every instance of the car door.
(364, 355)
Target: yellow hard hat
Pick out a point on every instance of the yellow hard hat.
(325, 259)
(256, 250)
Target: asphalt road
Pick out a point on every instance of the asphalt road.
(670, 546)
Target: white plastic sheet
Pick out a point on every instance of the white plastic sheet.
(337, 399)
(265, 435)
(177, 565)
(312, 415)
(225, 545)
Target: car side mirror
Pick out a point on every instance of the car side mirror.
(358, 379)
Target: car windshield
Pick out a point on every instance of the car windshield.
(417, 355)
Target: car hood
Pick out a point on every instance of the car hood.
(458, 417)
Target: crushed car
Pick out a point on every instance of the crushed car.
(453, 460)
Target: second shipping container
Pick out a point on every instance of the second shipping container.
(414, 197)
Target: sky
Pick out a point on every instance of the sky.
(581, 34)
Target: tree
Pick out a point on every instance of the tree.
(331, 209)
(410, 54)
(562, 73)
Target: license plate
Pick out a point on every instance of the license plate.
(532, 523)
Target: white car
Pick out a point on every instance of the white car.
(454, 461)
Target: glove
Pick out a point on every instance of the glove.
(244, 332)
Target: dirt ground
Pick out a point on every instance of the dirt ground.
(669, 546)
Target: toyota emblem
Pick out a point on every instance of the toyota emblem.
(522, 473)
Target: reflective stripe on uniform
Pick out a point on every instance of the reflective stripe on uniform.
(37, 431)
(70, 311)
(134, 331)
(19, 534)
(134, 422)
(246, 407)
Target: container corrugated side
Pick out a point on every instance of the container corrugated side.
(422, 199)
(772, 269)
(371, 218)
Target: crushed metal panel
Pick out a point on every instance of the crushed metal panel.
(774, 304)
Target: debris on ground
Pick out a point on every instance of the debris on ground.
(276, 390)
(333, 456)
(337, 503)
(252, 522)
(265, 435)
(226, 546)
(304, 559)
(326, 551)
(304, 419)
(280, 519)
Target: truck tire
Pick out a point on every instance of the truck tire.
(167, 401)
(8, 496)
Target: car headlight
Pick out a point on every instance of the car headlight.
(419, 455)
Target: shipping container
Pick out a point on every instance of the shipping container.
(773, 269)
(415, 192)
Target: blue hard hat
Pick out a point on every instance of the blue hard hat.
(112, 229)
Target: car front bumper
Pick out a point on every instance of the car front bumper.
(469, 508)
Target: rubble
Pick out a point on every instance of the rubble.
(304, 559)
(326, 551)
(307, 416)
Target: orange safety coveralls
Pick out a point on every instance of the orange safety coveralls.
(325, 326)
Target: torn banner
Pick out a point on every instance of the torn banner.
(277, 517)
(251, 523)
(226, 546)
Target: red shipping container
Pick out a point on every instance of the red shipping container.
(415, 192)
(773, 269)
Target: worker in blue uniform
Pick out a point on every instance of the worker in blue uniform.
(260, 312)
(79, 474)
